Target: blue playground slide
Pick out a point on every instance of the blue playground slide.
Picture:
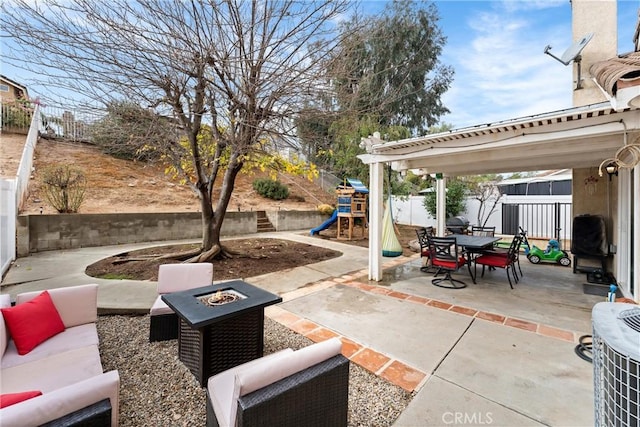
(326, 224)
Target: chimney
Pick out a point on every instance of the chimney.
(599, 17)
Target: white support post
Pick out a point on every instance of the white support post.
(376, 173)
(635, 187)
(621, 235)
(441, 210)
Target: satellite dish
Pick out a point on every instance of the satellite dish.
(573, 52)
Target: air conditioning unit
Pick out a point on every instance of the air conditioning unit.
(616, 364)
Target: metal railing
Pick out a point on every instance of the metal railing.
(541, 220)
(327, 181)
(74, 124)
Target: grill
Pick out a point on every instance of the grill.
(589, 236)
(457, 224)
(589, 240)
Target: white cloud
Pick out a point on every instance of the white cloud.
(501, 69)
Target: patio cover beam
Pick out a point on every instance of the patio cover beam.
(580, 137)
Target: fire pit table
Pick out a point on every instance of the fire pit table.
(221, 326)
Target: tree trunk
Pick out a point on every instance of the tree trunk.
(211, 225)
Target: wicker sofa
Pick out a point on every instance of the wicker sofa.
(308, 387)
(65, 368)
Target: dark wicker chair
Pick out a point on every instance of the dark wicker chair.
(313, 396)
(96, 415)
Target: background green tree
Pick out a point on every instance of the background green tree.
(128, 129)
(387, 77)
(455, 199)
(389, 66)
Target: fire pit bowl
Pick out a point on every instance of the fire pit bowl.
(221, 297)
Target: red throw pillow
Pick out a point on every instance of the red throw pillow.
(33, 322)
(13, 398)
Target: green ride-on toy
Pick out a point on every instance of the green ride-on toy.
(553, 253)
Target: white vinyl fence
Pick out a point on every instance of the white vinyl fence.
(7, 223)
(13, 193)
(411, 211)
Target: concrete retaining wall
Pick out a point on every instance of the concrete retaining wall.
(37, 233)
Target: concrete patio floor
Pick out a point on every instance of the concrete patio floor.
(482, 355)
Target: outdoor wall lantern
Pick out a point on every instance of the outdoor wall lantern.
(612, 169)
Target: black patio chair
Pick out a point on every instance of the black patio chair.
(483, 231)
(447, 259)
(425, 252)
(500, 260)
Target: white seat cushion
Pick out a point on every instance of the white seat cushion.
(180, 277)
(69, 339)
(5, 301)
(64, 400)
(224, 393)
(77, 305)
(257, 377)
(160, 307)
(54, 372)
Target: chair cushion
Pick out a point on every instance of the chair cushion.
(33, 322)
(76, 305)
(223, 389)
(180, 277)
(271, 371)
(9, 399)
(160, 307)
(71, 338)
(493, 260)
(5, 301)
(450, 265)
(54, 372)
(66, 399)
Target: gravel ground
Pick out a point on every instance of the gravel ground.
(157, 389)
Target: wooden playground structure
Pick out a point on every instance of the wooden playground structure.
(352, 211)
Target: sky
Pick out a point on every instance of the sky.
(497, 51)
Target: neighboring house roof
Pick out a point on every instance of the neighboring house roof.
(558, 175)
(13, 83)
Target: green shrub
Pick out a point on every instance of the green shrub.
(326, 209)
(64, 187)
(271, 189)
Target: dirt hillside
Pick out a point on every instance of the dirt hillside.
(122, 186)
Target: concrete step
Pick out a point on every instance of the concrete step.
(264, 225)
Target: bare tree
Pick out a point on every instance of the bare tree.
(485, 190)
(239, 68)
